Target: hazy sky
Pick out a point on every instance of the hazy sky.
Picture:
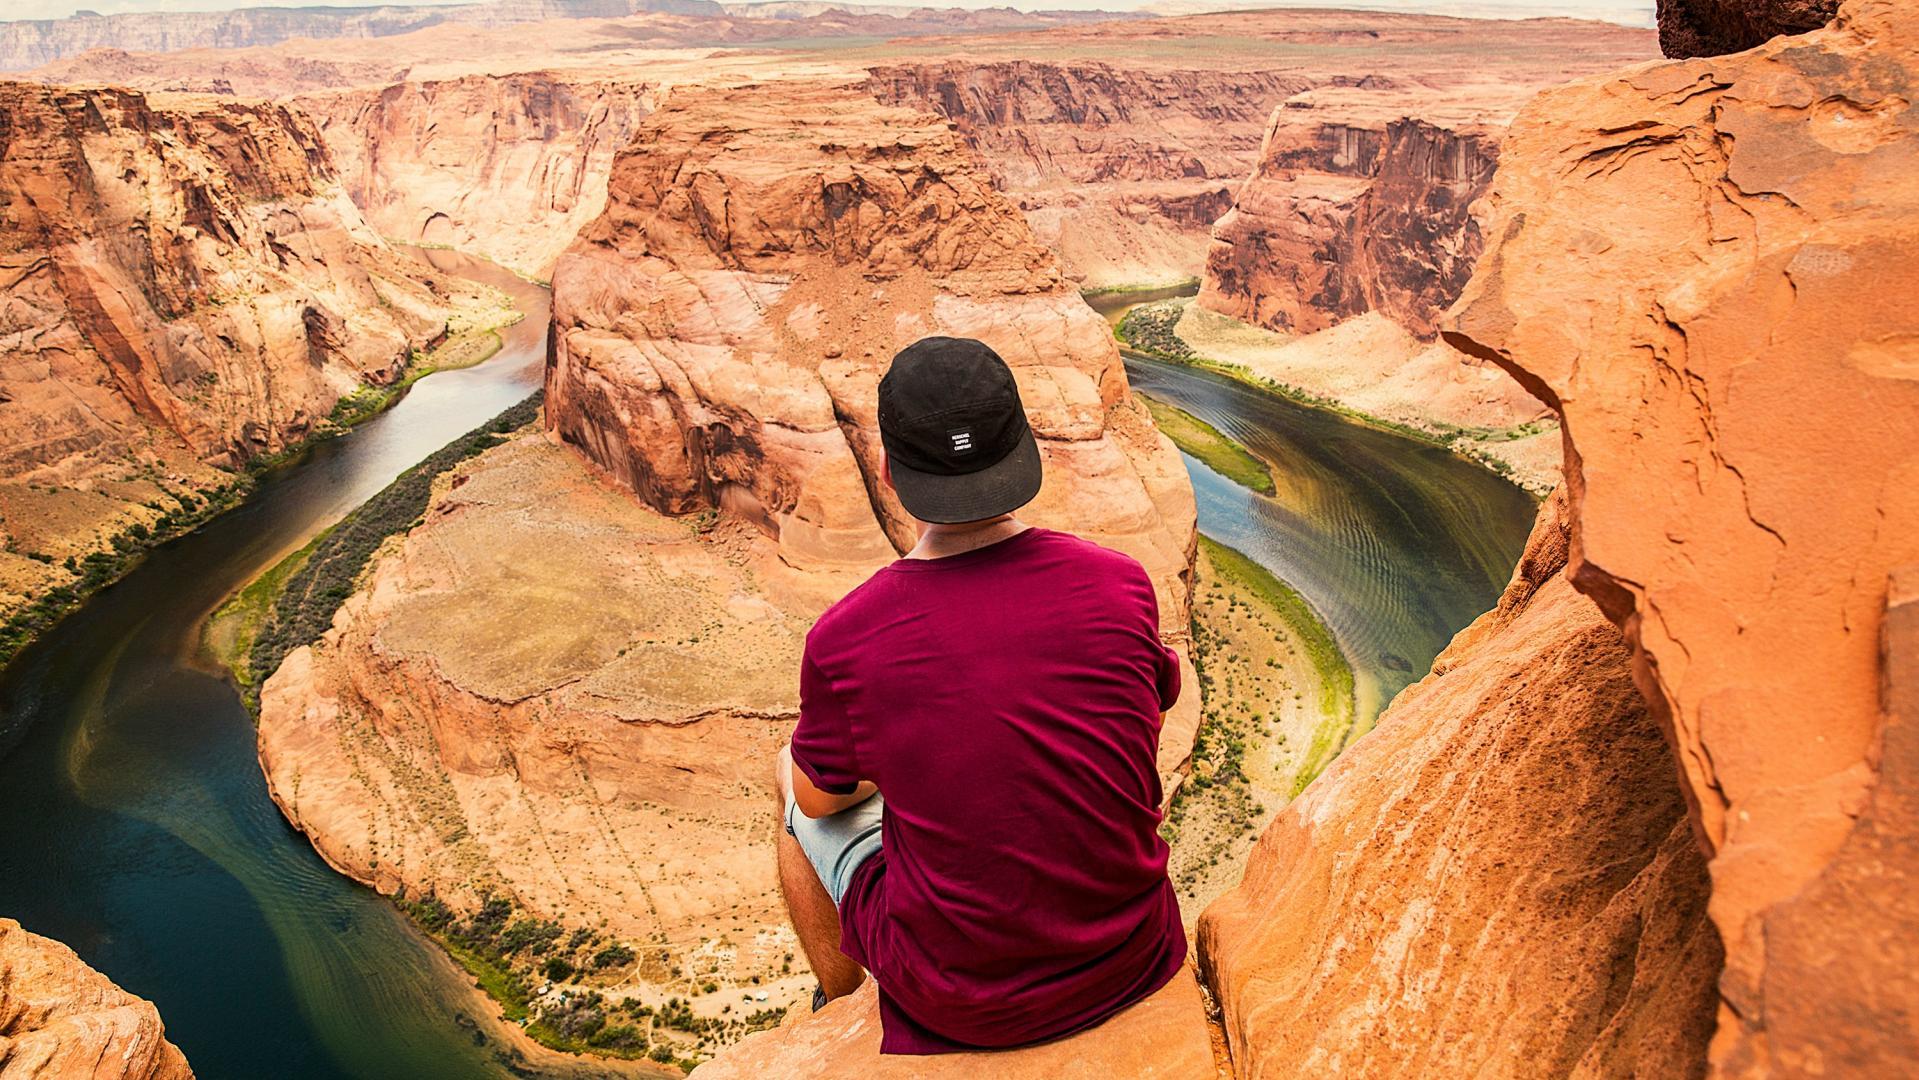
(1638, 12)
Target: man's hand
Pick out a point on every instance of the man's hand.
(813, 802)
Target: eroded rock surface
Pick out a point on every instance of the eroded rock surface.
(509, 167)
(1737, 366)
(1163, 1037)
(62, 1020)
(1121, 169)
(1340, 217)
(720, 332)
(186, 285)
(1498, 880)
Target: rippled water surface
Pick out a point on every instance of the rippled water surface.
(135, 825)
(1398, 544)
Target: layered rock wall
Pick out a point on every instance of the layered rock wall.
(1342, 217)
(1121, 169)
(720, 332)
(185, 286)
(62, 1020)
(509, 167)
(1707, 268)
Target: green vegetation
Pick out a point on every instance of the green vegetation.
(1335, 674)
(1182, 285)
(310, 593)
(1220, 452)
(98, 569)
(231, 631)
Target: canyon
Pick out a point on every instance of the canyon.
(610, 771)
(188, 289)
(1653, 814)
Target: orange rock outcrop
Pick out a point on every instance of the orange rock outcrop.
(1707, 268)
(62, 1020)
(1498, 880)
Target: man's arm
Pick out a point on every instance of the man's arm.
(813, 802)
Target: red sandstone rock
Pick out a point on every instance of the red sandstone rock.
(508, 167)
(185, 266)
(1707, 267)
(1164, 1037)
(1498, 880)
(1342, 217)
(62, 1020)
(1121, 169)
(720, 332)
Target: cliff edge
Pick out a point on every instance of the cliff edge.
(1737, 365)
(62, 1020)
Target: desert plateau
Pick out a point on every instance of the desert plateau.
(430, 435)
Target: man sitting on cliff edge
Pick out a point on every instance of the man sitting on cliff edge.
(970, 798)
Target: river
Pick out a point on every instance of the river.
(1397, 544)
(135, 825)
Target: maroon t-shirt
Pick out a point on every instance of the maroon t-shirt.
(1007, 702)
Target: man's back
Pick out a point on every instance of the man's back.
(1006, 701)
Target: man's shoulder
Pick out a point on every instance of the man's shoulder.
(1086, 553)
(866, 593)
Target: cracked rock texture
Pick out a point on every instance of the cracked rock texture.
(1498, 880)
(1737, 364)
(62, 1020)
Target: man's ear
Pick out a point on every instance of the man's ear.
(886, 470)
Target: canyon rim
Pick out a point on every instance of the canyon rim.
(1651, 814)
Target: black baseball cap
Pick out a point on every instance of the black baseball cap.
(955, 432)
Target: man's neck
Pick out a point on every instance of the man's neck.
(939, 541)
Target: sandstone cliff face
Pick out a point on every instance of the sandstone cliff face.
(509, 167)
(1341, 217)
(1735, 363)
(720, 332)
(61, 1020)
(185, 284)
(1498, 880)
(1121, 170)
(1711, 27)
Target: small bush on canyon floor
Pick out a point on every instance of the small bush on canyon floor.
(615, 955)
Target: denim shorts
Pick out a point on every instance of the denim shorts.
(837, 844)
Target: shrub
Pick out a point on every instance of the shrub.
(557, 968)
(613, 956)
